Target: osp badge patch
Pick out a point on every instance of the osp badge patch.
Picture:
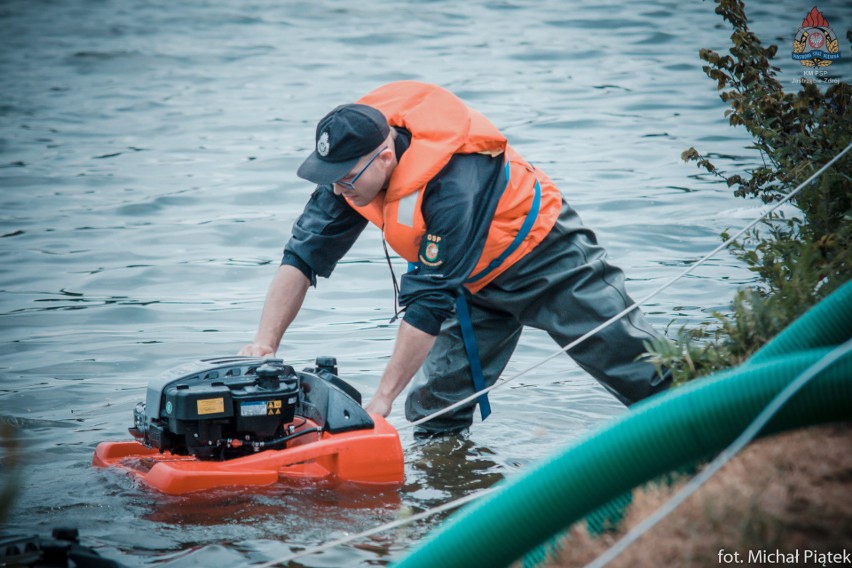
(430, 251)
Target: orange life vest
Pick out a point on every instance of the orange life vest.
(441, 125)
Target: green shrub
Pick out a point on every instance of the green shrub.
(797, 260)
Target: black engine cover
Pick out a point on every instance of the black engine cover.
(199, 408)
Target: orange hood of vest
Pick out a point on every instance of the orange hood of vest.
(435, 137)
(441, 125)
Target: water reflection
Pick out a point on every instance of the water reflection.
(445, 468)
(286, 503)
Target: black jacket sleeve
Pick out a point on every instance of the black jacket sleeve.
(458, 207)
(323, 233)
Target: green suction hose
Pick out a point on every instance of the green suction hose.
(658, 435)
(827, 323)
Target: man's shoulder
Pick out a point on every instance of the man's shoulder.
(480, 169)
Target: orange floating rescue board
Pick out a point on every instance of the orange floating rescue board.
(242, 422)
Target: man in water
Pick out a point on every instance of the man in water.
(491, 243)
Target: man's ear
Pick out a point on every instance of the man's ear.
(387, 157)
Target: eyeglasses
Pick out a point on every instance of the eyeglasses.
(350, 185)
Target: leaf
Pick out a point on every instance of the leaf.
(689, 154)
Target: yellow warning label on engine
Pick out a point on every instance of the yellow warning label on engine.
(211, 406)
(273, 407)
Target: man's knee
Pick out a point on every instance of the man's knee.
(422, 402)
(656, 382)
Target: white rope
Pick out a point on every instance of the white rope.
(633, 306)
(392, 525)
(473, 496)
(727, 454)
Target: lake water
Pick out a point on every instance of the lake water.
(147, 165)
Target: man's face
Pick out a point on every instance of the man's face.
(366, 179)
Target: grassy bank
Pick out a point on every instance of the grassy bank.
(785, 493)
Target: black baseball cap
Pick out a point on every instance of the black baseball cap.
(343, 136)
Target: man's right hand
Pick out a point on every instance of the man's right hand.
(257, 350)
(379, 406)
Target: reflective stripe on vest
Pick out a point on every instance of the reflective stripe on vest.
(406, 209)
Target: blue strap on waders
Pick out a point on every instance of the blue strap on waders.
(463, 313)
